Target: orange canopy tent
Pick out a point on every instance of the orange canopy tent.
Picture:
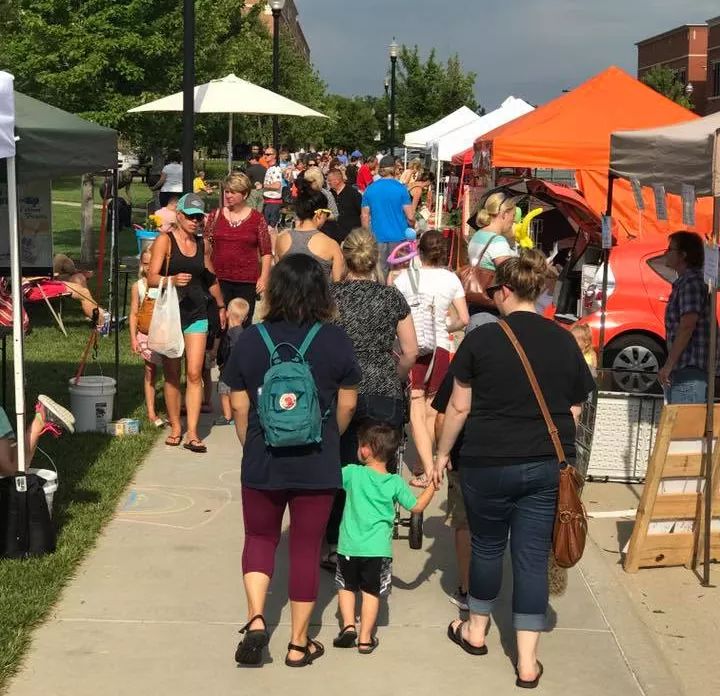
(573, 132)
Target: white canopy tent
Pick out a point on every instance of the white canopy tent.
(457, 119)
(675, 156)
(232, 95)
(7, 152)
(456, 141)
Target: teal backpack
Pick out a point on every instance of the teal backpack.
(288, 406)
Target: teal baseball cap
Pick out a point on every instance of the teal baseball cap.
(191, 204)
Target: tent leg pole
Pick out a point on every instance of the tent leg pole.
(115, 274)
(4, 372)
(606, 265)
(16, 282)
(710, 415)
(230, 143)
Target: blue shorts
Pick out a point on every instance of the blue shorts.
(197, 327)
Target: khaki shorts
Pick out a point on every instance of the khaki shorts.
(456, 515)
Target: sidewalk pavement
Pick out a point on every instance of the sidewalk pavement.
(155, 610)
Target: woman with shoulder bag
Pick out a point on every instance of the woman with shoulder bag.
(488, 248)
(374, 315)
(510, 466)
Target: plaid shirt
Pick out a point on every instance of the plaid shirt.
(690, 296)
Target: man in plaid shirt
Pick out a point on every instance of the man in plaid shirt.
(687, 323)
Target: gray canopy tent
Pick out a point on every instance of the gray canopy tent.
(51, 143)
(684, 154)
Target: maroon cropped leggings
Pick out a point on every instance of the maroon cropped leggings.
(263, 514)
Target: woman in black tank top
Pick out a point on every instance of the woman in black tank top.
(180, 254)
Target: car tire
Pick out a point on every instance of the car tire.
(634, 360)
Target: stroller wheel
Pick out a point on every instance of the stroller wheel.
(415, 536)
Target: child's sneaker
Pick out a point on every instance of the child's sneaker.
(55, 417)
(104, 328)
(459, 599)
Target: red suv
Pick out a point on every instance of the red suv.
(639, 287)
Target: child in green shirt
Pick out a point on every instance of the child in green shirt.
(365, 546)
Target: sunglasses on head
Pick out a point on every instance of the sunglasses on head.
(323, 211)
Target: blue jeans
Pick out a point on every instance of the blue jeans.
(385, 249)
(688, 385)
(519, 499)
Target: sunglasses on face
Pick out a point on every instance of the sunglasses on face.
(269, 154)
(492, 289)
(199, 217)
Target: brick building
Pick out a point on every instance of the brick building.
(685, 50)
(713, 63)
(288, 20)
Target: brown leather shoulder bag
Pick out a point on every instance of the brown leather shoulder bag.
(475, 279)
(570, 531)
(145, 311)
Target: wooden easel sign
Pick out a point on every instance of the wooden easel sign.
(670, 519)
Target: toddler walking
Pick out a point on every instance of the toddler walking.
(139, 340)
(237, 311)
(364, 562)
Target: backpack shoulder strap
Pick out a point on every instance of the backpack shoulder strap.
(314, 329)
(272, 348)
(414, 282)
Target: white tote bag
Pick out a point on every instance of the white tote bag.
(422, 308)
(165, 336)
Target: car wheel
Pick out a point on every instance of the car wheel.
(635, 360)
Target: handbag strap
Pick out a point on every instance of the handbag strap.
(552, 428)
(485, 248)
(414, 282)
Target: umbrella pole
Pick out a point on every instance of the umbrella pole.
(230, 143)
(438, 202)
(115, 272)
(16, 283)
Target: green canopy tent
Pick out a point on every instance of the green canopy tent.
(52, 143)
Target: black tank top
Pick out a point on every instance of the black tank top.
(194, 296)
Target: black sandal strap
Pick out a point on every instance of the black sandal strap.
(299, 648)
(246, 627)
(346, 629)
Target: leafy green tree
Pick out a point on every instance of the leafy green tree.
(428, 90)
(667, 82)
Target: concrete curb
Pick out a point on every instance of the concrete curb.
(634, 639)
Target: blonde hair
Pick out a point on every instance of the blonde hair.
(237, 182)
(525, 275)
(238, 309)
(361, 252)
(494, 205)
(315, 178)
(584, 334)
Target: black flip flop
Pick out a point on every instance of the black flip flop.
(195, 446)
(346, 638)
(249, 649)
(456, 637)
(173, 440)
(523, 684)
(367, 648)
(308, 657)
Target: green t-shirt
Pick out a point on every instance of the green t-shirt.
(366, 527)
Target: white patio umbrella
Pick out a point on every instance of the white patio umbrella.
(7, 152)
(232, 95)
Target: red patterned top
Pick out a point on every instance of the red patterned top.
(236, 251)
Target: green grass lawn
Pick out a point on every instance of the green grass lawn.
(94, 469)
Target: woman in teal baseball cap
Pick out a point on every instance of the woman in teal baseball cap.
(180, 254)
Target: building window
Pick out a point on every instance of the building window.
(716, 79)
(681, 76)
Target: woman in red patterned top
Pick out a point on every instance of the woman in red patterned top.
(238, 243)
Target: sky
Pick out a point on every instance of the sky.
(531, 49)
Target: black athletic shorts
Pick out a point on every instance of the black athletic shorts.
(372, 575)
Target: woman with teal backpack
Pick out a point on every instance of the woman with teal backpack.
(294, 388)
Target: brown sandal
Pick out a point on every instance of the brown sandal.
(173, 440)
(195, 446)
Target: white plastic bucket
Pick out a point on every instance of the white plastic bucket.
(91, 402)
(50, 485)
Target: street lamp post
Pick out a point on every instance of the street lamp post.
(188, 92)
(393, 67)
(277, 7)
(387, 106)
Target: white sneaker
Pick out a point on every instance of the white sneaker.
(56, 414)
